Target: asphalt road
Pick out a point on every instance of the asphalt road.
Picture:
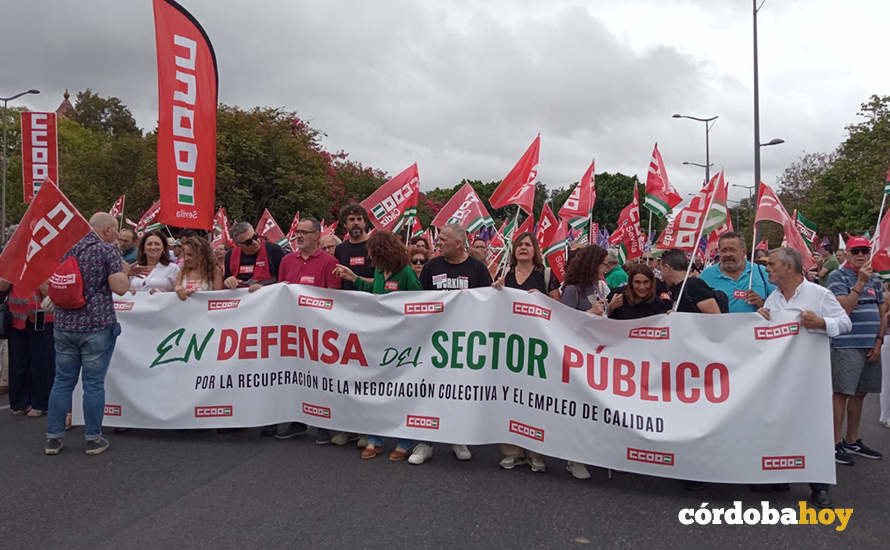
(156, 489)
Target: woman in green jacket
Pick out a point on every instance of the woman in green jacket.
(391, 273)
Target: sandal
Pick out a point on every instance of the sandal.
(35, 413)
(21, 412)
(370, 452)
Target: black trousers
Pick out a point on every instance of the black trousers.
(32, 367)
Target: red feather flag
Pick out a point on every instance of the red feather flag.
(519, 185)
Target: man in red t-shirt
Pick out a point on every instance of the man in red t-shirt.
(309, 265)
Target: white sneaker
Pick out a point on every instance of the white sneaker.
(885, 423)
(578, 470)
(422, 453)
(362, 442)
(461, 452)
(510, 462)
(537, 463)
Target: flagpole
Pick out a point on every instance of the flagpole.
(753, 244)
(648, 233)
(508, 246)
(878, 226)
(695, 246)
(120, 225)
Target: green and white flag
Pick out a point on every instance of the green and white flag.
(806, 228)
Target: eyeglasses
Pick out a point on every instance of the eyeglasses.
(861, 251)
(302, 232)
(248, 241)
(418, 261)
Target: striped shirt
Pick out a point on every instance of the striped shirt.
(866, 316)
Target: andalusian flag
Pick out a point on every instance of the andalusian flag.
(806, 227)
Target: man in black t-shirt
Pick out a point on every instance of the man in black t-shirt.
(697, 297)
(252, 261)
(353, 252)
(455, 269)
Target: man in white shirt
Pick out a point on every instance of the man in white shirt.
(819, 310)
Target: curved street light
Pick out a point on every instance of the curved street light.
(708, 125)
(4, 161)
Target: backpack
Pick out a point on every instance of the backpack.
(66, 285)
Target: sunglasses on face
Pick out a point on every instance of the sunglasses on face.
(248, 241)
(418, 261)
(860, 251)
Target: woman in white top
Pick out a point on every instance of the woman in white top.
(154, 272)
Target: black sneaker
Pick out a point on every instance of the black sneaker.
(323, 437)
(860, 449)
(53, 446)
(97, 446)
(841, 456)
(292, 430)
(268, 431)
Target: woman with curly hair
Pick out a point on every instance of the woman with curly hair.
(391, 272)
(200, 271)
(641, 297)
(585, 290)
(584, 287)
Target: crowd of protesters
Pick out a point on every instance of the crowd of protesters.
(50, 346)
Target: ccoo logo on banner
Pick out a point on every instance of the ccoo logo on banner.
(40, 151)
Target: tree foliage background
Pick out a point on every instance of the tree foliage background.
(271, 158)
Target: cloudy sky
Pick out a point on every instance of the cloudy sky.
(463, 87)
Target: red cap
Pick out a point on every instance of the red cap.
(858, 242)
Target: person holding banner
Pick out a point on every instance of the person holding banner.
(154, 271)
(642, 296)
(252, 261)
(308, 265)
(391, 273)
(733, 273)
(697, 297)
(819, 311)
(85, 337)
(353, 252)
(527, 272)
(856, 356)
(586, 290)
(454, 269)
(199, 268)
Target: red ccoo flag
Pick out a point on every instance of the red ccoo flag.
(268, 229)
(221, 234)
(291, 236)
(576, 209)
(661, 197)
(187, 102)
(769, 208)
(395, 203)
(519, 185)
(118, 207)
(40, 151)
(50, 228)
(628, 235)
(465, 208)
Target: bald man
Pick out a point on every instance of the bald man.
(85, 337)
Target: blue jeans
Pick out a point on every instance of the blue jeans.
(377, 441)
(89, 353)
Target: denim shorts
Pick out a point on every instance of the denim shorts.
(851, 373)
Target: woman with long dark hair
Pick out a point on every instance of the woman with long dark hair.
(641, 296)
(584, 287)
(157, 273)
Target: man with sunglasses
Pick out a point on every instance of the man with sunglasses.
(353, 252)
(856, 356)
(253, 261)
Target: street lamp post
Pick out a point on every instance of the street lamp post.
(700, 165)
(5, 161)
(708, 125)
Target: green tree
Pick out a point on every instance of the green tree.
(106, 115)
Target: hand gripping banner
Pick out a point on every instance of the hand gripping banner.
(187, 98)
(722, 398)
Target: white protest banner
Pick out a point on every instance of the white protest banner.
(721, 398)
